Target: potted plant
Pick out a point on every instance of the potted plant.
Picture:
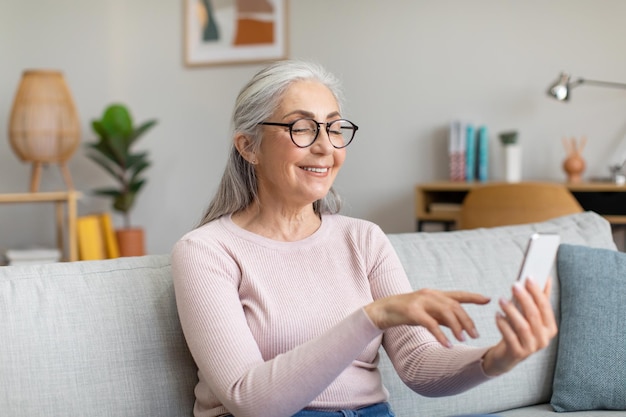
(512, 156)
(114, 153)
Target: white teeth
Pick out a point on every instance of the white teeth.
(320, 170)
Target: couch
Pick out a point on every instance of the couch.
(102, 338)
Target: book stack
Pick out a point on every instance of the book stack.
(32, 256)
(96, 237)
(468, 149)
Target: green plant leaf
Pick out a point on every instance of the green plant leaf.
(135, 160)
(108, 192)
(117, 121)
(141, 130)
(124, 202)
(139, 168)
(508, 138)
(135, 186)
(102, 148)
(99, 128)
(108, 166)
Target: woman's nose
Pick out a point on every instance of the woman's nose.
(322, 143)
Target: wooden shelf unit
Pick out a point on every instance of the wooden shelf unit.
(66, 214)
(605, 198)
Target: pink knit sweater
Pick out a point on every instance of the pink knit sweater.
(275, 327)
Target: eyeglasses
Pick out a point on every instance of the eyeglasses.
(304, 132)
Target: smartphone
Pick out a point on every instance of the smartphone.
(539, 257)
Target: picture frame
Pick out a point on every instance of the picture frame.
(221, 32)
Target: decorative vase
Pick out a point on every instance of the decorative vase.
(131, 241)
(574, 166)
(512, 162)
(574, 163)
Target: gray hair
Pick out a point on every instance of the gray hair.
(256, 102)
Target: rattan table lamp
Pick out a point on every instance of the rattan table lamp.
(44, 126)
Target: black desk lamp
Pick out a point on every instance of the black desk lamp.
(560, 89)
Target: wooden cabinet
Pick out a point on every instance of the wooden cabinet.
(440, 201)
(65, 205)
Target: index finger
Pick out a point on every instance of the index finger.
(468, 297)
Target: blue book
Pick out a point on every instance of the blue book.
(470, 152)
(483, 154)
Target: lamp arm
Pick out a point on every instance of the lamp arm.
(598, 83)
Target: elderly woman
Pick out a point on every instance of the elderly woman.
(284, 302)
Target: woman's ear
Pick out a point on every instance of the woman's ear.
(244, 147)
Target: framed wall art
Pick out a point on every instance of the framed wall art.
(234, 31)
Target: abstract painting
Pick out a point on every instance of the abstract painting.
(234, 31)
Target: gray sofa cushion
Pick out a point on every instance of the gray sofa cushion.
(591, 359)
(485, 261)
(546, 410)
(93, 338)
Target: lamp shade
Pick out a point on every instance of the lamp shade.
(44, 125)
(560, 90)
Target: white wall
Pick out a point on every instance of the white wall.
(408, 66)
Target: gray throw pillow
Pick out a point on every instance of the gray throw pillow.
(590, 369)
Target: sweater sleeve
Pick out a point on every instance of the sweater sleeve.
(206, 283)
(422, 363)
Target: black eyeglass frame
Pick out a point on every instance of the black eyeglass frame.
(317, 132)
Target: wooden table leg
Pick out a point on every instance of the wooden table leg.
(35, 177)
(58, 215)
(72, 233)
(66, 176)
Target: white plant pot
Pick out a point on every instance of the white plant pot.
(512, 163)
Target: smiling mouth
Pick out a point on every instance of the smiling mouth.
(318, 170)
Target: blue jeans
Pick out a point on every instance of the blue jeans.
(376, 410)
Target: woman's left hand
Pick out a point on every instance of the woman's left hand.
(526, 327)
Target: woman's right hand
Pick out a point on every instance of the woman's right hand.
(430, 309)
